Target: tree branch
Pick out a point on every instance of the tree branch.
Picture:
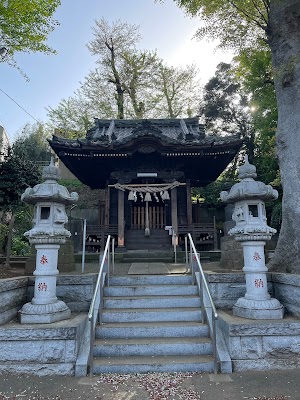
(249, 17)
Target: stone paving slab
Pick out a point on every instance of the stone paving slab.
(158, 268)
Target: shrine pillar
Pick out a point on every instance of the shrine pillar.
(189, 211)
(121, 219)
(174, 215)
(107, 206)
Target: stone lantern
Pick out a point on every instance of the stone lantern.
(252, 231)
(47, 234)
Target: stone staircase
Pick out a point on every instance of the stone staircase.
(159, 239)
(147, 256)
(152, 324)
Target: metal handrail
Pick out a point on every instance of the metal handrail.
(204, 310)
(98, 297)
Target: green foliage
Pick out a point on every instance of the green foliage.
(71, 184)
(23, 219)
(32, 144)
(276, 216)
(235, 24)
(210, 194)
(253, 68)
(73, 116)
(88, 198)
(25, 26)
(20, 246)
(16, 174)
(225, 104)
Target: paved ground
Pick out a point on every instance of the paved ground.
(275, 385)
(149, 268)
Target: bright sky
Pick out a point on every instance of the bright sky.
(164, 27)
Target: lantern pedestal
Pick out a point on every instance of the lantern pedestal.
(45, 313)
(45, 307)
(257, 303)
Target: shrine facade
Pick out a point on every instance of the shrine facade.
(147, 168)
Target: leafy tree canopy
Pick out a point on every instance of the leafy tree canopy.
(253, 69)
(235, 24)
(127, 83)
(32, 144)
(25, 26)
(16, 174)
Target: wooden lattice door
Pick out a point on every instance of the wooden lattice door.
(156, 217)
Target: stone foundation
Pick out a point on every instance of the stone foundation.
(41, 350)
(261, 345)
(13, 294)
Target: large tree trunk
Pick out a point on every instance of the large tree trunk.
(284, 40)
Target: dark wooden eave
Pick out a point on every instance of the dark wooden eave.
(147, 149)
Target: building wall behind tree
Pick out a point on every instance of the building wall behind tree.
(4, 142)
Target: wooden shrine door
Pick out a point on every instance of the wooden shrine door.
(157, 217)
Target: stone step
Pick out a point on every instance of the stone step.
(154, 234)
(148, 260)
(148, 246)
(151, 290)
(150, 280)
(152, 347)
(151, 314)
(150, 323)
(151, 301)
(150, 329)
(142, 364)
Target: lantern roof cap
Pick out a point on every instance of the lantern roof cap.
(248, 188)
(50, 190)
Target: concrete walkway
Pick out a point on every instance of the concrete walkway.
(275, 385)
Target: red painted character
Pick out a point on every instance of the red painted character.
(42, 286)
(44, 260)
(258, 283)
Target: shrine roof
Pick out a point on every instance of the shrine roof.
(129, 146)
(117, 134)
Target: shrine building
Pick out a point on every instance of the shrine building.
(147, 168)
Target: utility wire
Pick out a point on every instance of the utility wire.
(19, 106)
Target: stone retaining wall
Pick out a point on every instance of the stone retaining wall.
(75, 290)
(286, 289)
(226, 288)
(50, 349)
(43, 349)
(261, 345)
(13, 292)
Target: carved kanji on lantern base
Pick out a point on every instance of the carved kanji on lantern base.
(252, 231)
(47, 234)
